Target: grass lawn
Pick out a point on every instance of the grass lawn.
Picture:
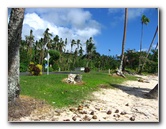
(54, 91)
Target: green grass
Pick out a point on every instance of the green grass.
(59, 94)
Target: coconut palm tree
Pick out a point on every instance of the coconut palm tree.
(119, 71)
(73, 42)
(90, 48)
(30, 43)
(55, 42)
(14, 39)
(148, 50)
(81, 51)
(144, 20)
(47, 38)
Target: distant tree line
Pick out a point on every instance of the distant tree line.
(67, 60)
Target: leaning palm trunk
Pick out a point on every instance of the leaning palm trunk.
(119, 71)
(14, 39)
(141, 68)
(153, 94)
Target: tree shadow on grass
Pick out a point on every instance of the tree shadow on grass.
(138, 92)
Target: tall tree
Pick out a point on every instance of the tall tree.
(150, 47)
(14, 39)
(73, 42)
(119, 72)
(144, 20)
(30, 43)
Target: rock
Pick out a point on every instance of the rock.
(83, 112)
(132, 118)
(78, 78)
(140, 80)
(74, 78)
(116, 115)
(116, 111)
(109, 112)
(66, 120)
(92, 113)
(74, 118)
(123, 113)
(94, 117)
(87, 105)
(86, 118)
(80, 107)
(126, 104)
(72, 109)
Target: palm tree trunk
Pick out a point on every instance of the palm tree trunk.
(153, 94)
(139, 65)
(119, 72)
(149, 50)
(14, 39)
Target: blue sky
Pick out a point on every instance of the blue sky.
(105, 25)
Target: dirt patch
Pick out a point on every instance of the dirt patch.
(23, 107)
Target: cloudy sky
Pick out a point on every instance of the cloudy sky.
(105, 25)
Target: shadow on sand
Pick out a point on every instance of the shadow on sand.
(138, 92)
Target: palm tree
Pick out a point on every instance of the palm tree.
(81, 51)
(55, 42)
(119, 72)
(90, 48)
(144, 20)
(148, 51)
(30, 43)
(14, 39)
(47, 38)
(78, 44)
(153, 94)
(73, 42)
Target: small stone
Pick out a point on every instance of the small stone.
(86, 118)
(126, 104)
(116, 111)
(87, 105)
(80, 107)
(116, 115)
(123, 113)
(109, 112)
(66, 120)
(74, 118)
(94, 117)
(104, 117)
(72, 109)
(132, 118)
(92, 113)
(83, 112)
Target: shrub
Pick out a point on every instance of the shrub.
(50, 69)
(55, 66)
(40, 67)
(23, 67)
(87, 70)
(35, 69)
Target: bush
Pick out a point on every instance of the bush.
(55, 66)
(35, 69)
(40, 67)
(23, 67)
(50, 69)
(87, 70)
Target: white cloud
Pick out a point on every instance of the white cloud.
(67, 23)
(118, 14)
(135, 12)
